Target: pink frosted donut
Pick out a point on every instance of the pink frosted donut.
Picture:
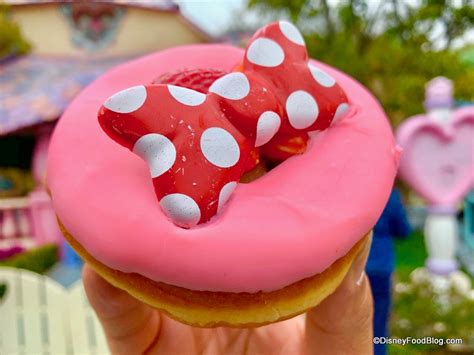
(289, 225)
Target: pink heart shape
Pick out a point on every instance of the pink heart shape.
(438, 158)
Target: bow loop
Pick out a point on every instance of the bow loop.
(277, 44)
(309, 95)
(193, 152)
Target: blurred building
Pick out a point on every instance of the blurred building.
(72, 43)
(103, 28)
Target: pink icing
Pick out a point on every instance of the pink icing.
(290, 224)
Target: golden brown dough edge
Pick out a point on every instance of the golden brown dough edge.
(212, 309)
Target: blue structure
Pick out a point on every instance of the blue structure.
(381, 263)
(69, 256)
(69, 269)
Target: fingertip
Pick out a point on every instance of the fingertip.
(94, 284)
(90, 278)
(342, 323)
(351, 299)
(130, 326)
(106, 299)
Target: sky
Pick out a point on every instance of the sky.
(214, 16)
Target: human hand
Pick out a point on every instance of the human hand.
(341, 324)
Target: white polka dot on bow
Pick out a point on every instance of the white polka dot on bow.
(265, 52)
(302, 109)
(127, 100)
(267, 126)
(340, 111)
(220, 147)
(186, 96)
(182, 209)
(291, 32)
(225, 194)
(321, 76)
(233, 86)
(158, 151)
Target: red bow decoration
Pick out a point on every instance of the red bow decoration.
(198, 145)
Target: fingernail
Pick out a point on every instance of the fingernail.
(358, 267)
(361, 278)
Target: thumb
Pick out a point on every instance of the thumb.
(129, 325)
(342, 323)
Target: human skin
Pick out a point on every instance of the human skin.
(341, 324)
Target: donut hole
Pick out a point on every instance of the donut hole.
(275, 152)
(257, 172)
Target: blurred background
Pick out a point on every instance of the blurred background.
(416, 57)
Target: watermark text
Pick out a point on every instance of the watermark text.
(417, 341)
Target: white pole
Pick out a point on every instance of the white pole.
(441, 239)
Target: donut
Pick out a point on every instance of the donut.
(224, 187)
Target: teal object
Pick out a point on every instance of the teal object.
(468, 235)
(5, 184)
(466, 247)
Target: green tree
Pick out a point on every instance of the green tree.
(11, 41)
(393, 48)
